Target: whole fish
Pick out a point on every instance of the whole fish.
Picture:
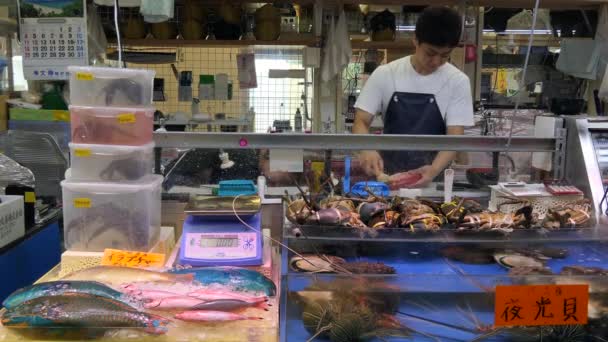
(179, 302)
(212, 316)
(57, 288)
(115, 275)
(229, 305)
(78, 310)
(239, 279)
(152, 294)
(208, 295)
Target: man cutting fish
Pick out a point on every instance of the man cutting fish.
(418, 94)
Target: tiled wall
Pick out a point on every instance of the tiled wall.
(273, 98)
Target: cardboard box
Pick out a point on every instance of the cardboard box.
(12, 226)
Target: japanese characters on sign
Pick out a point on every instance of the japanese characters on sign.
(116, 257)
(530, 305)
(53, 36)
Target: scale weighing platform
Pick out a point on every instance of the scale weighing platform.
(213, 235)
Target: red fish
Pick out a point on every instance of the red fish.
(177, 302)
(151, 294)
(229, 305)
(208, 295)
(212, 316)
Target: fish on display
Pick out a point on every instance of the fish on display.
(57, 288)
(78, 310)
(209, 295)
(171, 303)
(229, 305)
(150, 294)
(239, 279)
(212, 316)
(119, 275)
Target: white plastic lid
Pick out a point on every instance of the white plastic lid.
(114, 150)
(148, 182)
(110, 111)
(104, 72)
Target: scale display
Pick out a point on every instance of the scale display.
(219, 246)
(215, 241)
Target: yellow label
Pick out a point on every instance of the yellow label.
(61, 115)
(84, 76)
(82, 152)
(126, 118)
(30, 197)
(82, 202)
(116, 257)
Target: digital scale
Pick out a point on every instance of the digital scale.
(213, 236)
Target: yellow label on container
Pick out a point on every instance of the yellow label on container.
(82, 152)
(61, 115)
(82, 202)
(126, 118)
(30, 197)
(84, 76)
(116, 257)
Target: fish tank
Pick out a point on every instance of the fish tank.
(371, 258)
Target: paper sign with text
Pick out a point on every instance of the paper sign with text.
(116, 257)
(528, 305)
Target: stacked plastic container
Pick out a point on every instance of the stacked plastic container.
(111, 199)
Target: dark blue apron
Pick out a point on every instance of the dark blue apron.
(411, 113)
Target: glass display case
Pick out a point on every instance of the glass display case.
(409, 265)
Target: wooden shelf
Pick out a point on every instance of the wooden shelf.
(555, 4)
(150, 42)
(388, 45)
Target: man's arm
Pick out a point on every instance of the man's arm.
(370, 161)
(363, 121)
(441, 161)
(444, 158)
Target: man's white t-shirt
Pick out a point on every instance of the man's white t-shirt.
(450, 86)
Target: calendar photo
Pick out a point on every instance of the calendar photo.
(51, 8)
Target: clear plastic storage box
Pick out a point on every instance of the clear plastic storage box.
(110, 163)
(112, 126)
(110, 87)
(112, 215)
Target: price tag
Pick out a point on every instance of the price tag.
(528, 305)
(84, 76)
(61, 115)
(82, 152)
(82, 202)
(126, 118)
(116, 257)
(29, 197)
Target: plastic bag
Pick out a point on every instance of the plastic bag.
(11, 172)
(523, 20)
(98, 42)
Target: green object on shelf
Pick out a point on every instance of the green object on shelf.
(53, 99)
(206, 79)
(24, 114)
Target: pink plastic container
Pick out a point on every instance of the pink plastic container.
(112, 126)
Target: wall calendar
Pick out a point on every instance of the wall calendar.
(53, 36)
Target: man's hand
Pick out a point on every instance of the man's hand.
(371, 162)
(427, 172)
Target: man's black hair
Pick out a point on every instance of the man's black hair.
(439, 26)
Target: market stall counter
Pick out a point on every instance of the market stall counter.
(31, 256)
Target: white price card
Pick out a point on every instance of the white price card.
(53, 36)
(286, 160)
